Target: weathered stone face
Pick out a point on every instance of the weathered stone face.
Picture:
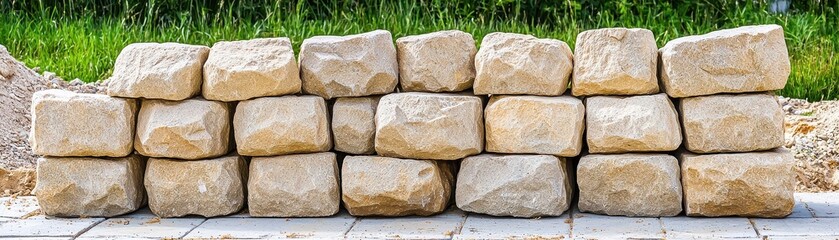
(757, 184)
(75, 124)
(208, 188)
(65, 187)
(509, 63)
(170, 71)
(349, 66)
(282, 125)
(513, 185)
(354, 124)
(744, 59)
(630, 184)
(535, 124)
(441, 61)
(241, 70)
(429, 126)
(615, 61)
(189, 129)
(383, 186)
(732, 123)
(302, 185)
(632, 124)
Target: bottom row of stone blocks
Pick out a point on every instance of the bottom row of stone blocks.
(744, 184)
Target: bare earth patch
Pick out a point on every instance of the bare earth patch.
(812, 134)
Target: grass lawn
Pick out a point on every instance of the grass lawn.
(78, 40)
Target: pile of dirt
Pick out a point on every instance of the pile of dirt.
(17, 83)
(812, 134)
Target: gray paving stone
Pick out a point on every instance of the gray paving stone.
(17, 207)
(479, 226)
(802, 237)
(592, 226)
(142, 225)
(800, 209)
(703, 228)
(823, 205)
(442, 226)
(274, 228)
(41, 226)
(797, 227)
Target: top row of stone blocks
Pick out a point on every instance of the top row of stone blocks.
(612, 61)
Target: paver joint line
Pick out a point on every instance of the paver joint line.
(193, 228)
(89, 227)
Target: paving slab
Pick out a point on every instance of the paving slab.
(141, 225)
(703, 228)
(800, 209)
(479, 226)
(274, 228)
(802, 238)
(823, 205)
(41, 226)
(593, 226)
(797, 226)
(441, 226)
(18, 207)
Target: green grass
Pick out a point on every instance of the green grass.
(79, 39)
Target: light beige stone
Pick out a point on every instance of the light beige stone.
(383, 186)
(301, 185)
(241, 70)
(513, 185)
(208, 188)
(170, 71)
(433, 126)
(189, 129)
(510, 63)
(349, 66)
(535, 124)
(631, 184)
(643, 123)
(732, 123)
(76, 124)
(744, 59)
(90, 187)
(354, 124)
(757, 184)
(282, 125)
(615, 61)
(441, 61)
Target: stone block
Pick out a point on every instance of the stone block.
(441, 61)
(615, 61)
(300, 185)
(354, 124)
(732, 123)
(349, 66)
(510, 63)
(242, 70)
(282, 125)
(170, 71)
(535, 124)
(432, 126)
(76, 124)
(632, 124)
(189, 129)
(208, 188)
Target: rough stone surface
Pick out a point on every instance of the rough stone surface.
(74, 124)
(615, 61)
(189, 129)
(632, 124)
(744, 59)
(535, 124)
(630, 184)
(302, 185)
(349, 66)
(282, 125)
(170, 71)
(354, 124)
(241, 70)
(513, 185)
(441, 61)
(383, 186)
(90, 187)
(208, 188)
(429, 126)
(510, 63)
(758, 184)
(732, 123)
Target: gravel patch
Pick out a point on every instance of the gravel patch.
(812, 134)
